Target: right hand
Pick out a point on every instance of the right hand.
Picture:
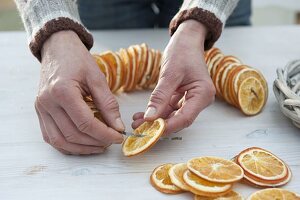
(68, 73)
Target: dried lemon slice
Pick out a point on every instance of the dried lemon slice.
(203, 187)
(232, 195)
(251, 96)
(176, 175)
(161, 181)
(216, 169)
(151, 130)
(274, 193)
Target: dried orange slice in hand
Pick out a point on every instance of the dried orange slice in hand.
(232, 195)
(161, 181)
(251, 96)
(152, 131)
(216, 169)
(260, 164)
(202, 187)
(274, 193)
(176, 175)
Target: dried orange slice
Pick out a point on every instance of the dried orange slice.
(176, 175)
(266, 184)
(149, 66)
(161, 181)
(251, 96)
(134, 145)
(263, 165)
(232, 195)
(124, 55)
(203, 187)
(216, 169)
(134, 64)
(105, 68)
(274, 194)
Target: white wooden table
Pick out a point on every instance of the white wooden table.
(31, 169)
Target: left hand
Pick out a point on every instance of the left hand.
(184, 88)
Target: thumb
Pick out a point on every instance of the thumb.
(160, 97)
(106, 103)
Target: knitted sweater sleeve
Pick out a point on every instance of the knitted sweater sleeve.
(211, 13)
(42, 18)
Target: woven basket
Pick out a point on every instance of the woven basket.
(287, 91)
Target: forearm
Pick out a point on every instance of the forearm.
(210, 13)
(42, 18)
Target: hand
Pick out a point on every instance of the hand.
(184, 88)
(68, 73)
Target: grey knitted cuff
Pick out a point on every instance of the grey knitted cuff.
(42, 18)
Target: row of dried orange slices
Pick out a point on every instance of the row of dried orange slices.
(136, 67)
(213, 178)
(239, 85)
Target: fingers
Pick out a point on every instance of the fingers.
(174, 104)
(161, 96)
(70, 131)
(70, 99)
(194, 102)
(57, 140)
(44, 132)
(138, 115)
(105, 102)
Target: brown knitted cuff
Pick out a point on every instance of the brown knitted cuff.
(55, 25)
(208, 19)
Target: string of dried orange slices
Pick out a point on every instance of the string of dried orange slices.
(211, 178)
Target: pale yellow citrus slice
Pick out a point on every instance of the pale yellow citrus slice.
(232, 195)
(216, 169)
(203, 187)
(251, 96)
(274, 194)
(151, 132)
(161, 181)
(176, 175)
(262, 164)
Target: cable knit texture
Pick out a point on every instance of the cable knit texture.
(42, 18)
(211, 13)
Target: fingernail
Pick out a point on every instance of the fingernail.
(150, 112)
(120, 125)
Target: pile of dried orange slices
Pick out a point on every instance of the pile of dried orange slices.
(238, 84)
(213, 177)
(136, 67)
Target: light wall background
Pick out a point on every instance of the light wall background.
(265, 12)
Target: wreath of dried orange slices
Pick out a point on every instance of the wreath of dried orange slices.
(213, 178)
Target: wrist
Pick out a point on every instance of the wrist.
(191, 33)
(59, 38)
(193, 30)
